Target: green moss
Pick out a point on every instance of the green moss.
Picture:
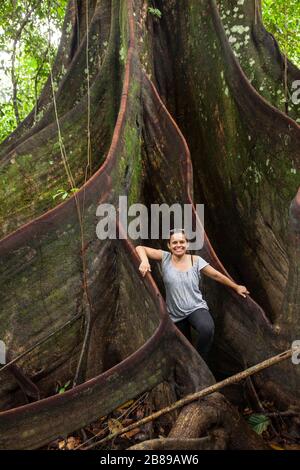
(136, 178)
(124, 28)
(130, 163)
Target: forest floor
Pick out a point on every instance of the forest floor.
(280, 430)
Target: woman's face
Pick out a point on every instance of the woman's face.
(178, 244)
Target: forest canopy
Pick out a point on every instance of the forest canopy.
(29, 37)
(282, 19)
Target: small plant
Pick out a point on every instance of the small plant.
(155, 12)
(63, 193)
(62, 389)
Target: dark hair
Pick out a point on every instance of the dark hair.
(177, 230)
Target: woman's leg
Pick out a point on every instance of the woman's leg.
(203, 323)
(184, 327)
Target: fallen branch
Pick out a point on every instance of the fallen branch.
(195, 396)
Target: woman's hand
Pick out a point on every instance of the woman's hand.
(242, 290)
(144, 268)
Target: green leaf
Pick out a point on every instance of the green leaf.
(259, 422)
(63, 389)
(155, 12)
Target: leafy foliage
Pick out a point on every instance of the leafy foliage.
(282, 19)
(24, 27)
(26, 55)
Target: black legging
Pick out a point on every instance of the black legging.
(203, 323)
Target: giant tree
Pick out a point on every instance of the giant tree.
(164, 101)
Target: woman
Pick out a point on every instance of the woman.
(181, 275)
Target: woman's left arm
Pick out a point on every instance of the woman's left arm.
(219, 277)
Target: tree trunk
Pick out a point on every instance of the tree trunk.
(244, 165)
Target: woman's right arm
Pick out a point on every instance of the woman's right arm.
(145, 253)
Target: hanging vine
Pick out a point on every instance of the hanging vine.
(80, 210)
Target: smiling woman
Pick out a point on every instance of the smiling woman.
(182, 275)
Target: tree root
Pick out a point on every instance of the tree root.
(216, 440)
(211, 423)
(215, 412)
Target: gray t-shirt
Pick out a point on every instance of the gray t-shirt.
(183, 295)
